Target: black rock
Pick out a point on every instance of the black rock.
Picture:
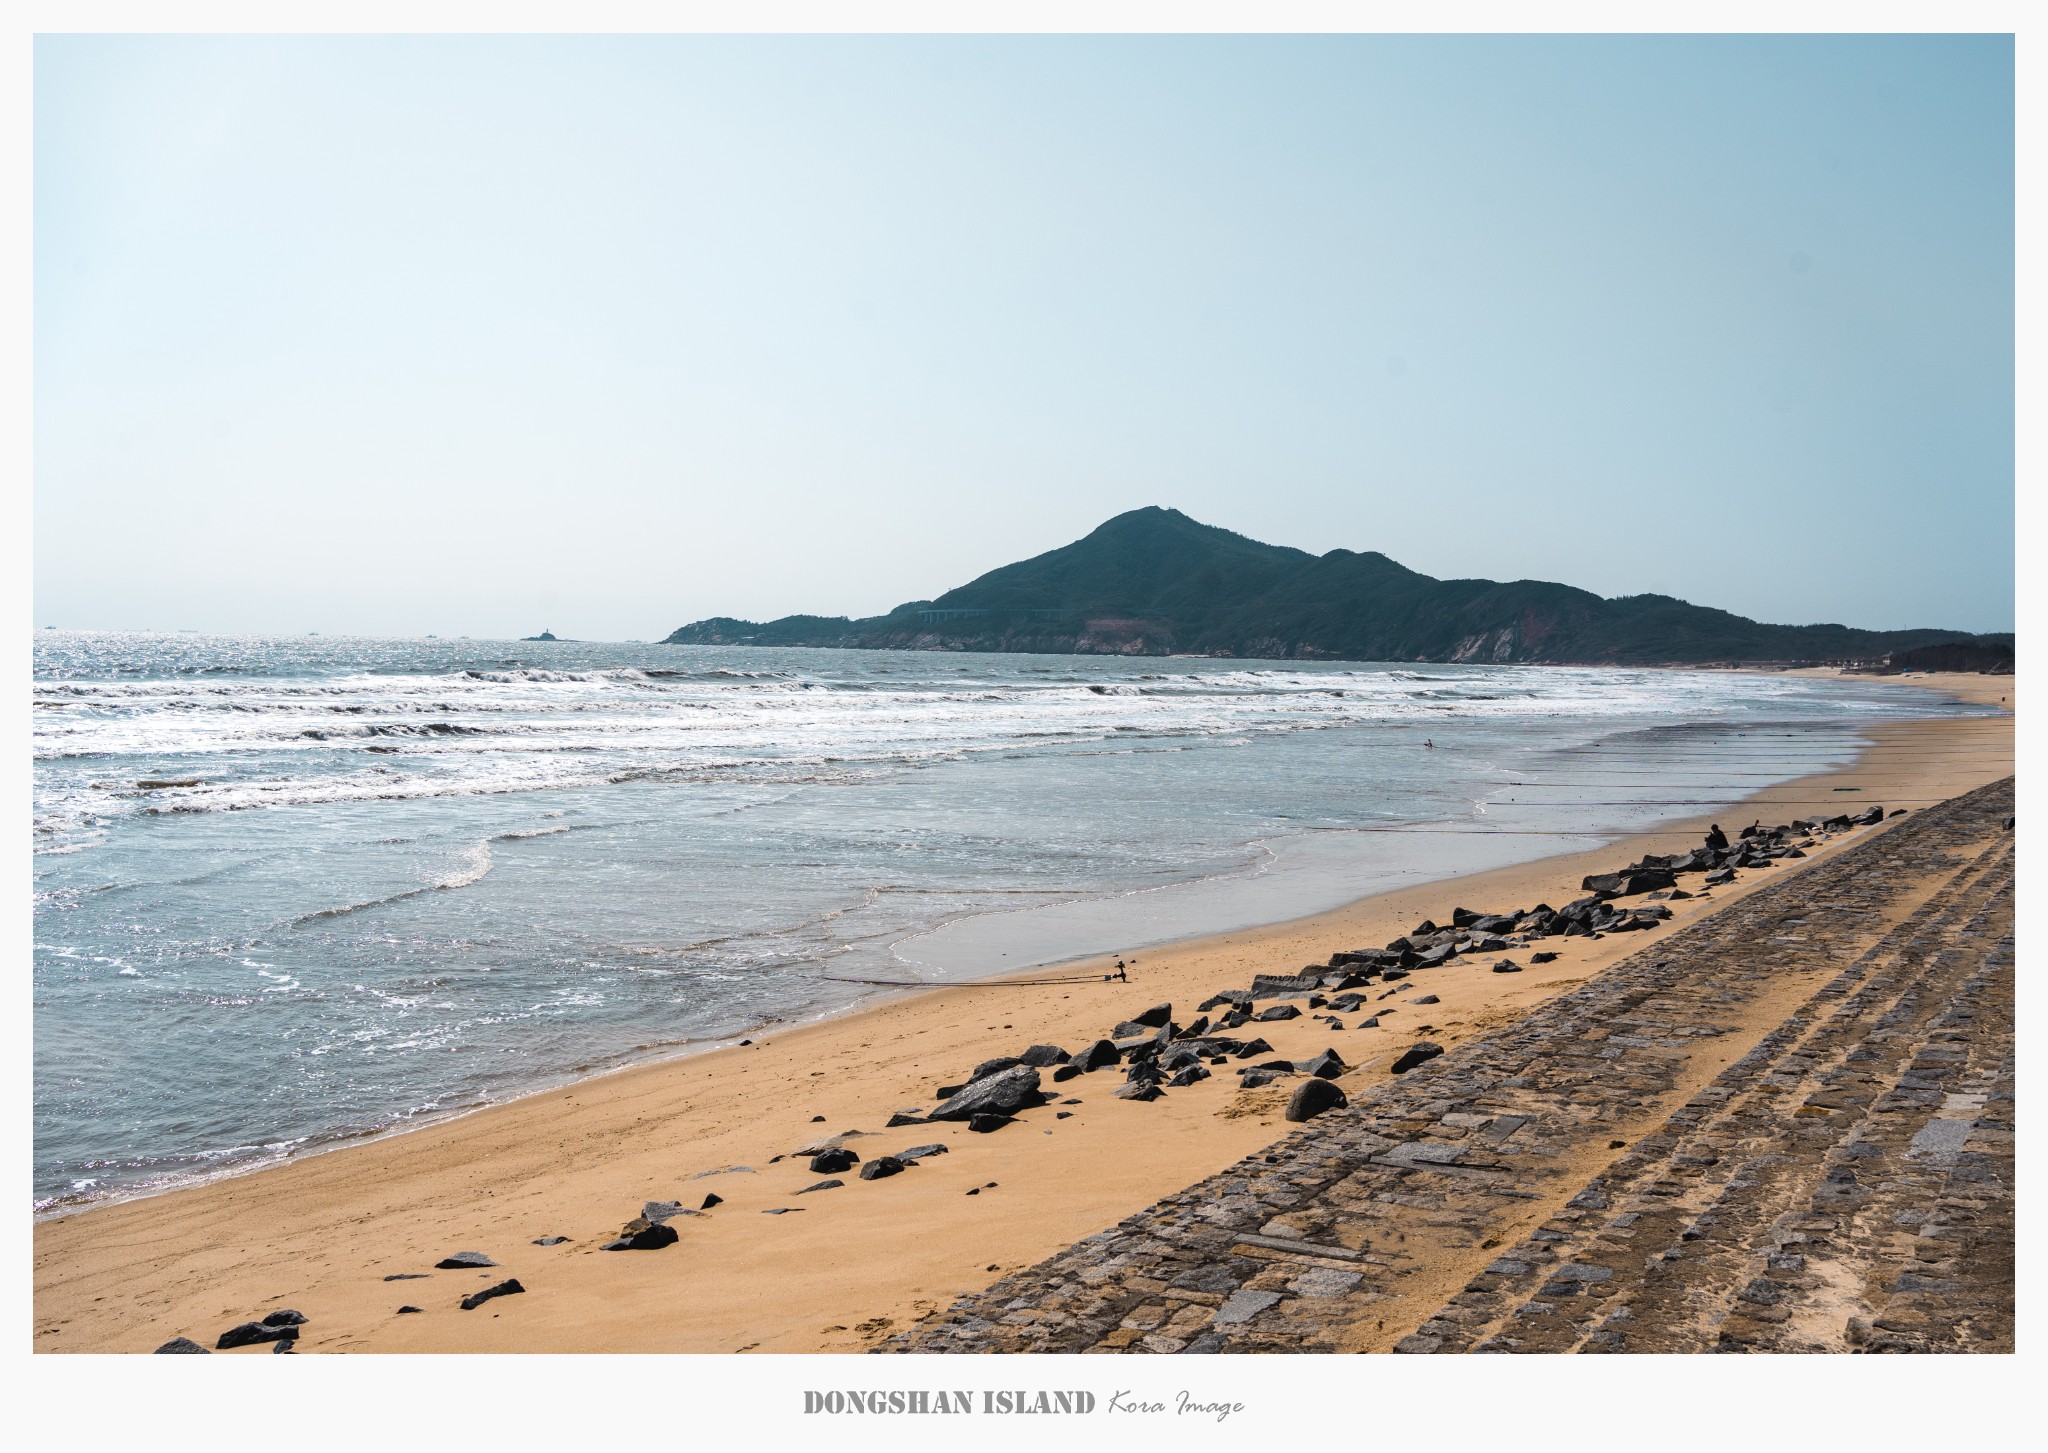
(249, 1334)
(831, 1162)
(1064, 1115)
(290, 1346)
(1139, 1090)
(817, 1120)
(1186, 1076)
(1002, 1094)
(512, 1288)
(1065, 1072)
(1130, 1029)
(1154, 1017)
(880, 1166)
(1194, 1031)
(826, 1185)
(1347, 1003)
(986, 1122)
(1372, 1023)
(899, 1118)
(1253, 1079)
(993, 1067)
(1279, 1011)
(407, 1276)
(550, 1240)
(1256, 1047)
(1265, 986)
(1311, 1098)
(1543, 958)
(646, 1238)
(407, 1309)
(1427, 999)
(1044, 1056)
(464, 1259)
(1509, 966)
(1233, 1019)
(184, 1344)
(1095, 1056)
(1327, 1065)
(1419, 1053)
(919, 1152)
(285, 1317)
(714, 1199)
(1720, 876)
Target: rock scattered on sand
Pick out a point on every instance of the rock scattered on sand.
(287, 1347)
(407, 1276)
(285, 1317)
(1426, 999)
(664, 1211)
(462, 1260)
(1044, 1056)
(184, 1344)
(826, 1185)
(781, 1210)
(919, 1152)
(1327, 1065)
(1421, 1052)
(1509, 966)
(550, 1240)
(1155, 1017)
(1543, 958)
(1278, 1012)
(1311, 1098)
(714, 1199)
(831, 1162)
(644, 1238)
(882, 1165)
(408, 1309)
(508, 1288)
(1139, 1090)
(249, 1334)
(903, 1117)
(1003, 1093)
(985, 1123)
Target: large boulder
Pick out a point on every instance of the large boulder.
(993, 1067)
(1327, 1065)
(1154, 1017)
(1044, 1056)
(1311, 1098)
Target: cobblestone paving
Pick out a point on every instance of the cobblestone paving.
(1626, 1168)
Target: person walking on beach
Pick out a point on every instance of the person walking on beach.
(1717, 839)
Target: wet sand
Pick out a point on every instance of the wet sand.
(847, 1266)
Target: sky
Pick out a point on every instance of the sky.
(465, 335)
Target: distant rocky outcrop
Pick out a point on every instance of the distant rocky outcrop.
(1154, 582)
(543, 636)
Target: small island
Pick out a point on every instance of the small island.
(543, 636)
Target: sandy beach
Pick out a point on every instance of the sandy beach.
(841, 1268)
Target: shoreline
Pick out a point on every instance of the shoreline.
(397, 1201)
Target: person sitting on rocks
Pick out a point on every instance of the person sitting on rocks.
(1717, 839)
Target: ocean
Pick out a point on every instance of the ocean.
(295, 891)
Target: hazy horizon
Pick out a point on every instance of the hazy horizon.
(480, 336)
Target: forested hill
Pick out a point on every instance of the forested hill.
(1154, 582)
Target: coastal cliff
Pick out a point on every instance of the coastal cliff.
(1153, 582)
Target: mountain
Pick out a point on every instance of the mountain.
(1154, 582)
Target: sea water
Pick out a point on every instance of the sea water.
(293, 891)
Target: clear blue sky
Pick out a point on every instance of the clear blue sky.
(479, 336)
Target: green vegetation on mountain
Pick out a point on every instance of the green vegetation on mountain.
(1154, 582)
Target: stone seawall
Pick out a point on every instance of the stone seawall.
(1788, 1127)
